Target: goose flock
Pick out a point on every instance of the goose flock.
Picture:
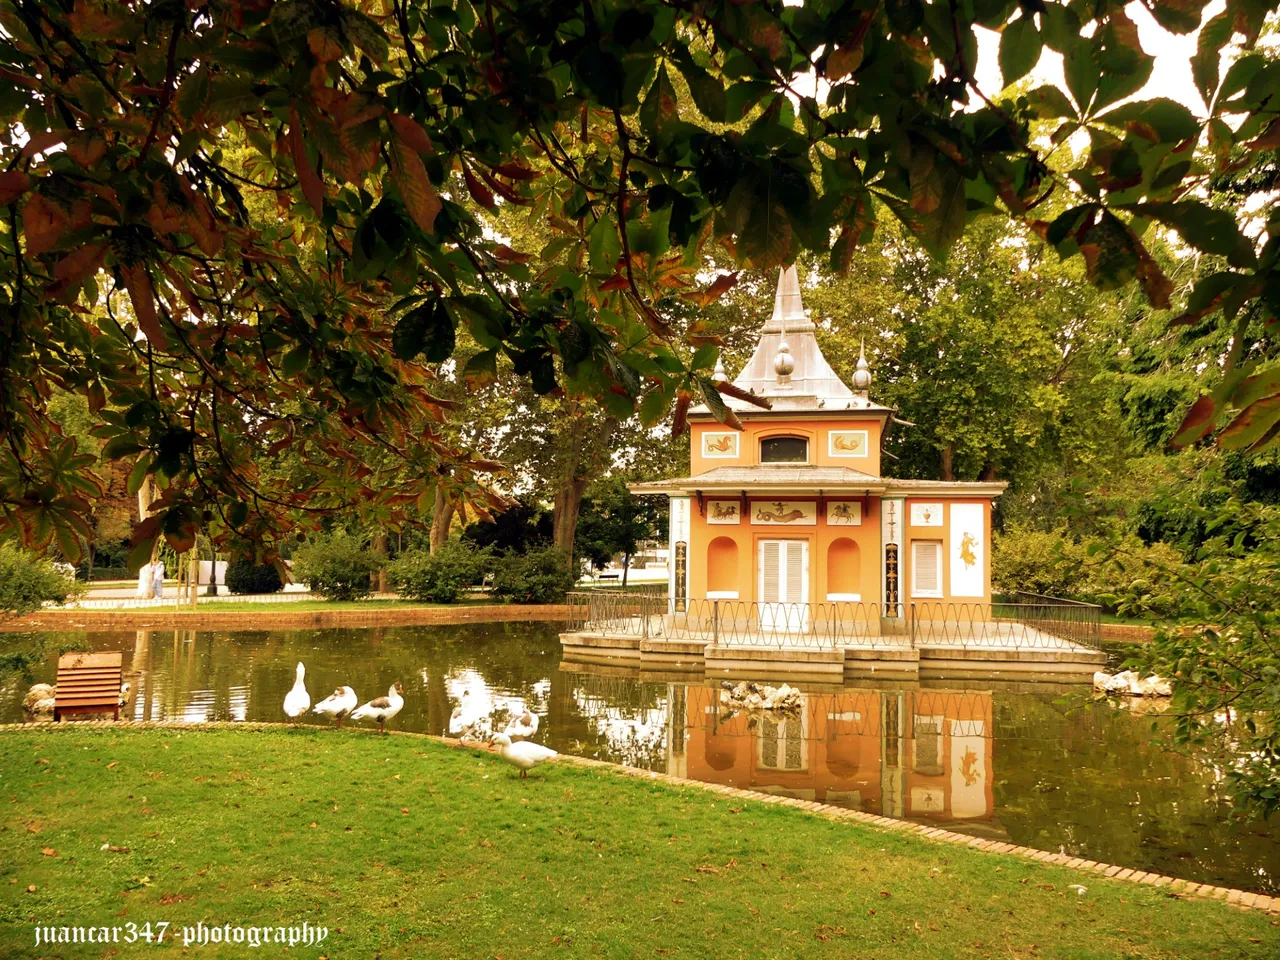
(342, 705)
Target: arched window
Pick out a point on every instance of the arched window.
(784, 450)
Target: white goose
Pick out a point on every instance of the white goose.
(383, 708)
(338, 705)
(522, 725)
(297, 701)
(524, 754)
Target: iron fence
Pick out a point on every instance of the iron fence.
(1043, 624)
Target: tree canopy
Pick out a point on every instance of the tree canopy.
(243, 226)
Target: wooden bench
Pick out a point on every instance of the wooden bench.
(608, 576)
(88, 683)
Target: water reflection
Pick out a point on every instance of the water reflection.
(1013, 761)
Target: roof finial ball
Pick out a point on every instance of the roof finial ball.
(862, 375)
(784, 363)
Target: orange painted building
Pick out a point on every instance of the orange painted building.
(793, 509)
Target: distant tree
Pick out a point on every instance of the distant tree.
(613, 522)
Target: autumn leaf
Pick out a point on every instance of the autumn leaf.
(74, 268)
(719, 287)
(324, 44)
(138, 282)
(416, 189)
(49, 852)
(616, 282)
(479, 192)
(411, 132)
(312, 186)
(503, 252)
(13, 184)
(42, 224)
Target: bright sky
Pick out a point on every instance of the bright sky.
(1170, 77)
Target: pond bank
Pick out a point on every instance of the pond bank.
(342, 615)
(406, 846)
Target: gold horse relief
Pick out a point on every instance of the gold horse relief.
(967, 556)
(844, 443)
(777, 514)
(843, 512)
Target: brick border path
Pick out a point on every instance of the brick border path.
(1174, 886)
(159, 619)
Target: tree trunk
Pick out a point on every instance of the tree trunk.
(944, 461)
(441, 518)
(626, 567)
(567, 502)
(379, 549)
(989, 471)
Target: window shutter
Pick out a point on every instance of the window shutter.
(927, 569)
(772, 580)
(795, 572)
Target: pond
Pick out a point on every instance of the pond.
(1025, 763)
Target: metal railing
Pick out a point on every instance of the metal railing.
(1043, 624)
(732, 622)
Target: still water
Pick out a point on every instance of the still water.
(1026, 763)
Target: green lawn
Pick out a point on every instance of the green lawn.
(407, 848)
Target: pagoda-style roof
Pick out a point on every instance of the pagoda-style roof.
(797, 378)
(793, 478)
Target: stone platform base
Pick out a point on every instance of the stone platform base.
(956, 661)
(730, 660)
(888, 657)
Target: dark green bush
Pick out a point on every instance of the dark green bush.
(438, 577)
(27, 582)
(336, 567)
(539, 576)
(245, 576)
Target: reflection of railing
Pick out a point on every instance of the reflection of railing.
(1046, 623)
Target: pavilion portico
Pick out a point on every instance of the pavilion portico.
(791, 552)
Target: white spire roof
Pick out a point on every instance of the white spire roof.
(812, 384)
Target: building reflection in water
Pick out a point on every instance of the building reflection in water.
(921, 754)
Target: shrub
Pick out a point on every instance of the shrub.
(438, 577)
(336, 567)
(27, 582)
(539, 576)
(245, 576)
(1036, 562)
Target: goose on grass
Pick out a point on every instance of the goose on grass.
(382, 709)
(338, 704)
(297, 701)
(524, 755)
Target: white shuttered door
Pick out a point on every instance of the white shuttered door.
(926, 569)
(784, 584)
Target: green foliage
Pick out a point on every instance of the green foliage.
(27, 582)
(1219, 641)
(523, 526)
(538, 576)
(246, 577)
(334, 178)
(611, 521)
(438, 577)
(337, 567)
